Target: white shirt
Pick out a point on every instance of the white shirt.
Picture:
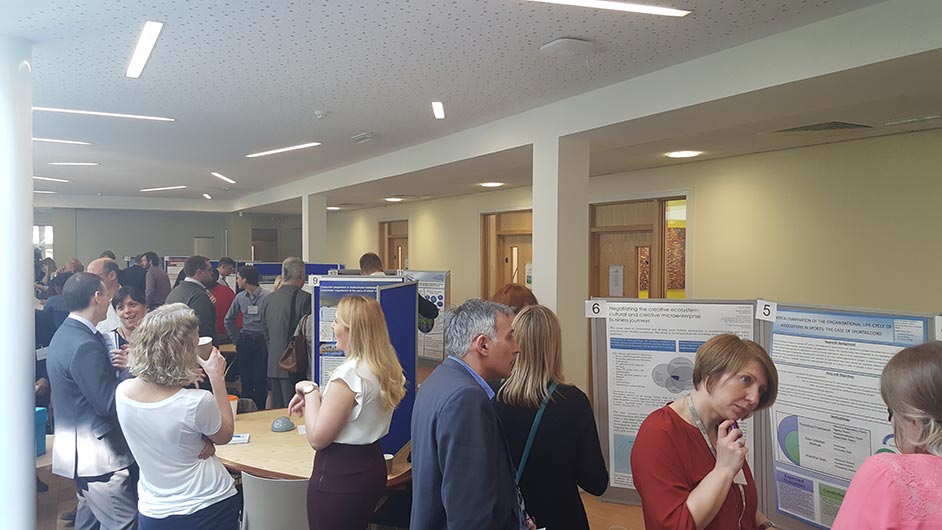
(368, 420)
(109, 324)
(166, 438)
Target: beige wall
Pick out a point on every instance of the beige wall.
(847, 224)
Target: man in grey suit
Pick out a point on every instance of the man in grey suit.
(279, 313)
(90, 447)
(462, 475)
(192, 292)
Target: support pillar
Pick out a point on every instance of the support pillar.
(561, 243)
(17, 451)
(314, 228)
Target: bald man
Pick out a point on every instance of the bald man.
(107, 269)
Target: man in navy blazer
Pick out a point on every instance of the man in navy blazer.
(462, 475)
(90, 447)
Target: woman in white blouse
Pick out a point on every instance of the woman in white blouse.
(170, 429)
(345, 421)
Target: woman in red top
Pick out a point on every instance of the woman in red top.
(689, 458)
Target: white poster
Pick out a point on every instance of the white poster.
(433, 287)
(829, 416)
(651, 351)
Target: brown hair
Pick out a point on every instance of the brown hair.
(911, 386)
(540, 361)
(727, 354)
(514, 296)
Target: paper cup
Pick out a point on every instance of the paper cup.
(389, 462)
(204, 347)
(234, 403)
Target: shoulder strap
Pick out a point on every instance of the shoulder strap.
(294, 299)
(533, 428)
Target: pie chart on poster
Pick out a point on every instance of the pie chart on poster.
(788, 439)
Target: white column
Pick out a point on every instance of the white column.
(561, 243)
(314, 228)
(17, 452)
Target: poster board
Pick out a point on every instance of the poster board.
(434, 286)
(643, 352)
(829, 415)
(399, 300)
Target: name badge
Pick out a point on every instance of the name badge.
(253, 310)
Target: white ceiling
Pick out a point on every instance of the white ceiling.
(245, 76)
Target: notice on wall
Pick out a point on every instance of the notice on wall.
(829, 416)
(616, 280)
(651, 351)
(433, 286)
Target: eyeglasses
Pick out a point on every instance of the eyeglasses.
(889, 414)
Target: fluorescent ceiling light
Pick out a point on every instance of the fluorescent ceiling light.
(73, 163)
(393, 199)
(145, 45)
(205, 196)
(96, 113)
(439, 110)
(53, 140)
(683, 154)
(283, 149)
(165, 189)
(42, 191)
(333, 208)
(620, 6)
(50, 179)
(917, 119)
(491, 184)
(222, 177)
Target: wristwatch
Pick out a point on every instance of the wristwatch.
(307, 389)
(767, 524)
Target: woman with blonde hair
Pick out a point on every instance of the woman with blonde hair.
(549, 426)
(345, 421)
(171, 429)
(688, 461)
(903, 490)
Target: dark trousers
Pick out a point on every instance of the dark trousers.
(347, 482)
(252, 353)
(108, 502)
(224, 515)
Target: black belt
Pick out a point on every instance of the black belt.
(251, 335)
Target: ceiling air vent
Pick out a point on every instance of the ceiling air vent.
(826, 126)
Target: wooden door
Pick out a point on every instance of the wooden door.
(398, 253)
(516, 251)
(630, 254)
(506, 249)
(265, 245)
(394, 244)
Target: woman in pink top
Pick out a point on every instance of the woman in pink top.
(903, 491)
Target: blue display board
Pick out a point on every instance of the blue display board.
(399, 301)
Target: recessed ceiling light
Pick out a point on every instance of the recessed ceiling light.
(620, 6)
(108, 114)
(165, 188)
(903, 121)
(393, 199)
(42, 191)
(222, 177)
(491, 184)
(53, 140)
(73, 163)
(50, 179)
(207, 196)
(145, 45)
(683, 154)
(333, 208)
(439, 110)
(283, 149)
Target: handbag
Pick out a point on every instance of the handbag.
(294, 359)
(533, 428)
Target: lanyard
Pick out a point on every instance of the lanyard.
(706, 437)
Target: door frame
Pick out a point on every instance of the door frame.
(484, 237)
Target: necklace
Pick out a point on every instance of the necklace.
(688, 400)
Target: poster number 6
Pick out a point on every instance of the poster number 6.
(596, 309)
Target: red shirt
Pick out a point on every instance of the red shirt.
(668, 460)
(224, 297)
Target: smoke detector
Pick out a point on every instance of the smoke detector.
(568, 47)
(321, 114)
(362, 138)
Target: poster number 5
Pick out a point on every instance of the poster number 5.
(596, 309)
(766, 310)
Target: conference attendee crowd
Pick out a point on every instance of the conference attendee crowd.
(499, 441)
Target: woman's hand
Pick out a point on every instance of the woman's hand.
(730, 448)
(119, 358)
(214, 366)
(209, 449)
(296, 405)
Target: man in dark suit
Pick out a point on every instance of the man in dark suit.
(462, 475)
(90, 447)
(280, 313)
(134, 275)
(192, 292)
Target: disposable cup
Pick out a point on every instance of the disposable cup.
(204, 347)
(389, 462)
(234, 403)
